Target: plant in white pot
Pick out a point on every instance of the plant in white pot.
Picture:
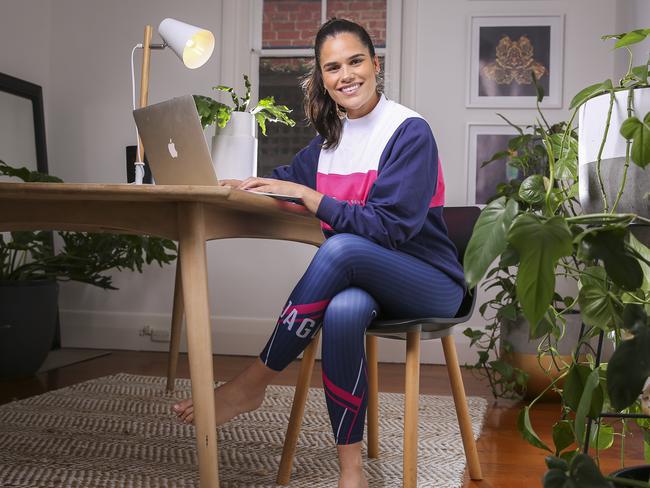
(234, 145)
(614, 130)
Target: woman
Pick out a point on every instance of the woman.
(372, 177)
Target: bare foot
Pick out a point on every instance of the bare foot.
(230, 400)
(353, 478)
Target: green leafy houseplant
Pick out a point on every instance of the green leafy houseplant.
(527, 154)
(266, 110)
(83, 257)
(538, 234)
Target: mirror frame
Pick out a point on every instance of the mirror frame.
(34, 93)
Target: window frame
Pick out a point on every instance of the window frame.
(391, 53)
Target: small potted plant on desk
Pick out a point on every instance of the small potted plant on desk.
(234, 146)
(30, 269)
(552, 238)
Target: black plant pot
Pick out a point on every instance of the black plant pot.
(28, 313)
(637, 473)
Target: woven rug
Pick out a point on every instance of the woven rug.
(118, 431)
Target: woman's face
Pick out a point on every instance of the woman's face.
(349, 74)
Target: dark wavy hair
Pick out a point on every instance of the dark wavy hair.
(321, 111)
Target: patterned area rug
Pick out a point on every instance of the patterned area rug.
(118, 431)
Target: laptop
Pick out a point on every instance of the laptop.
(176, 148)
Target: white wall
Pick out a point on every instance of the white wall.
(87, 44)
(631, 15)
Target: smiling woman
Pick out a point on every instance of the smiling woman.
(373, 178)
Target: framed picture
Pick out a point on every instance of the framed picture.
(484, 140)
(505, 50)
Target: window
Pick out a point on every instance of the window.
(283, 45)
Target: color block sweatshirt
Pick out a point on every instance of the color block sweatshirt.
(383, 182)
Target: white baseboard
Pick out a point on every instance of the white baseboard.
(230, 335)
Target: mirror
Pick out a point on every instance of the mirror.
(22, 124)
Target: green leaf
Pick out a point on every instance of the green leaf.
(641, 73)
(503, 368)
(643, 251)
(27, 175)
(488, 239)
(532, 190)
(563, 437)
(639, 133)
(497, 156)
(574, 387)
(586, 93)
(565, 150)
(584, 406)
(602, 437)
(540, 245)
(628, 369)
(508, 312)
(608, 244)
(630, 38)
(598, 308)
(527, 431)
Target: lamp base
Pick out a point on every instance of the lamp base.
(131, 154)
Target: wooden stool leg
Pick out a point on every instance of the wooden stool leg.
(191, 224)
(411, 400)
(297, 411)
(462, 412)
(177, 326)
(373, 396)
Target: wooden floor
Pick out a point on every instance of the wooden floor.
(506, 459)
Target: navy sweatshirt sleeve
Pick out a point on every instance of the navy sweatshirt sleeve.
(399, 200)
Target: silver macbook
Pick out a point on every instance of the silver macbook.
(176, 148)
(174, 142)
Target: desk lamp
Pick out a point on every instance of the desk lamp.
(193, 45)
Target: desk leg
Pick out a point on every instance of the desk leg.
(177, 326)
(191, 225)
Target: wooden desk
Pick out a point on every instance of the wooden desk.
(190, 215)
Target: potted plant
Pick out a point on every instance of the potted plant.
(234, 145)
(31, 267)
(512, 355)
(612, 270)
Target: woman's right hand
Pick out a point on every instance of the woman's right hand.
(230, 183)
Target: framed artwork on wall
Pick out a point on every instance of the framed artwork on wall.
(483, 141)
(505, 50)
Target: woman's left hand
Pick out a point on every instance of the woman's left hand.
(310, 198)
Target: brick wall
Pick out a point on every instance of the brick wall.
(294, 23)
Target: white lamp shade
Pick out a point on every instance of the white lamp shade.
(190, 43)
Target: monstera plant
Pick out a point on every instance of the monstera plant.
(539, 234)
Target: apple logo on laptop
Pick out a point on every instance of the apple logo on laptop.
(171, 147)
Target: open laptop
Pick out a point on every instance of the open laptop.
(176, 148)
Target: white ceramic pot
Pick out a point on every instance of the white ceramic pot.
(234, 148)
(591, 127)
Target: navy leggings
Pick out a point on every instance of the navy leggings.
(344, 288)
